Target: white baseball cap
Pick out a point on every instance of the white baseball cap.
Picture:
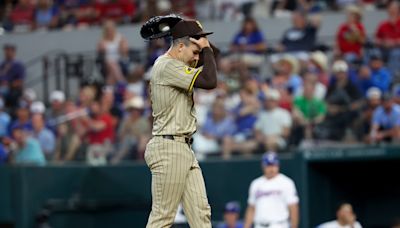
(57, 95)
(374, 92)
(272, 94)
(340, 66)
(37, 107)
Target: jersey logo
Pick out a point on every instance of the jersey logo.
(198, 23)
(189, 70)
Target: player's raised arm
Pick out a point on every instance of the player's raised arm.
(207, 78)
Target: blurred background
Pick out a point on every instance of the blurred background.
(317, 81)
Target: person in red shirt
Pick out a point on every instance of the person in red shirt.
(120, 11)
(100, 126)
(350, 36)
(22, 15)
(387, 38)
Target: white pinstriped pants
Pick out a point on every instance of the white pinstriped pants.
(176, 177)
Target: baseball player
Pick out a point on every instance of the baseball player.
(176, 175)
(273, 200)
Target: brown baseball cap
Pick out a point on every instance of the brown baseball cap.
(190, 28)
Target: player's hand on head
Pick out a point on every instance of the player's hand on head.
(202, 42)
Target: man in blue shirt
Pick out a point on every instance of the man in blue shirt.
(302, 36)
(12, 74)
(231, 216)
(28, 149)
(385, 121)
(380, 76)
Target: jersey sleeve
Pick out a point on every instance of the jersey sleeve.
(179, 75)
(290, 194)
(252, 194)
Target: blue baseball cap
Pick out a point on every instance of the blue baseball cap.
(232, 207)
(270, 158)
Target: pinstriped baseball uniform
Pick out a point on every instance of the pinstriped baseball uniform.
(176, 175)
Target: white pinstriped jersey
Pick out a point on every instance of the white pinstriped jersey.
(171, 89)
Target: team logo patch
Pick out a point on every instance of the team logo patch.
(199, 24)
(189, 70)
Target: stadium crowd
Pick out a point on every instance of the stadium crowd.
(28, 15)
(296, 96)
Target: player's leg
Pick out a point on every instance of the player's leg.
(195, 203)
(169, 167)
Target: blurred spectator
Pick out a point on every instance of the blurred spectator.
(249, 43)
(302, 36)
(29, 96)
(27, 150)
(286, 80)
(287, 74)
(363, 124)
(70, 134)
(273, 124)
(217, 126)
(113, 50)
(57, 106)
(318, 65)
(319, 88)
(77, 12)
(231, 216)
(351, 36)
(87, 94)
(380, 76)
(345, 218)
(37, 107)
(136, 85)
(265, 9)
(5, 119)
(245, 115)
(154, 7)
(396, 94)
(12, 75)
(387, 37)
(308, 111)
(109, 105)
(385, 121)
(119, 11)
(134, 132)
(344, 101)
(21, 16)
(273, 199)
(184, 7)
(100, 134)
(362, 79)
(311, 6)
(343, 4)
(43, 135)
(46, 15)
(229, 10)
(22, 118)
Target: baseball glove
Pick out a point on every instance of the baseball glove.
(159, 26)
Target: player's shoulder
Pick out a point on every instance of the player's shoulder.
(258, 180)
(283, 178)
